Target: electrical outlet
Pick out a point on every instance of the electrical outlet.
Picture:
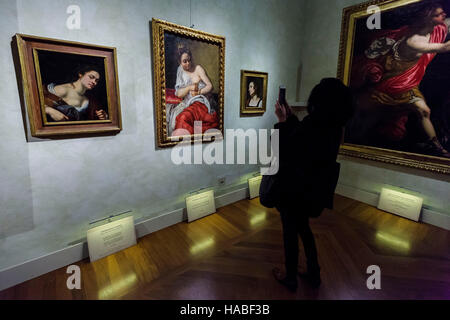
(221, 181)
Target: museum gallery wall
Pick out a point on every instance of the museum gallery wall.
(52, 188)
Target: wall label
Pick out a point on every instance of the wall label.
(253, 186)
(400, 203)
(200, 205)
(111, 237)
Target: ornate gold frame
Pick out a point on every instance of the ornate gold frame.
(256, 74)
(159, 27)
(349, 17)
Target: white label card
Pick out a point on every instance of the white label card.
(399, 203)
(200, 205)
(253, 186)
(110, 238)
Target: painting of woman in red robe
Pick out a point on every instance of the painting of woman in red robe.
(400, 75)
(189, 84)
(193, 88)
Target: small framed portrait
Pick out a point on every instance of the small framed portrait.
(399, 73)
(253, 92)
(71, 89)
(189, 79)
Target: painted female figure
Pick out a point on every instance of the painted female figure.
(70, 101)
(194, 87)
(388, 77)
(254, 100)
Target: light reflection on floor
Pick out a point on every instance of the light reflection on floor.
(115, 289)
(393, 242)
(202, 245)
(258, 218)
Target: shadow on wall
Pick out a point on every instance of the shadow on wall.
(16, 203)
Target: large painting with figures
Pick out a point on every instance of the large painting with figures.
(399, 71)
(189, 83)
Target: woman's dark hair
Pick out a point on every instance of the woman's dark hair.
(181, 50)
(255, 87)
(82, 69)
(414, 15)
(332, 101)
(427, 11)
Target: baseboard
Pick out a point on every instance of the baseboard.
(357, 194)
(435, 218)
(429, 216)
(27, 270)
(30, 269)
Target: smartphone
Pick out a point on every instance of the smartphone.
(282, 95)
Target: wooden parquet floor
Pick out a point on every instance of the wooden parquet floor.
(230, 255)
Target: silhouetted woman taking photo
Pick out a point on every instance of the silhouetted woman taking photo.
(308, 172)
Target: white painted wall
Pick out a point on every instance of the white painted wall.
(51, 189)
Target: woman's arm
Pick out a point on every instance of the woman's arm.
(423, 46)
(55, 114)
(202, 74)
(182, 92)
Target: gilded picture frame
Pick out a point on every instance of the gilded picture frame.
(70, 89)
(253, 92)
(190, 93)
(386, 138)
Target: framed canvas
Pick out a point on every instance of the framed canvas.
(70, 88)
(189, 77)
(398, 70)
(253, 92)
